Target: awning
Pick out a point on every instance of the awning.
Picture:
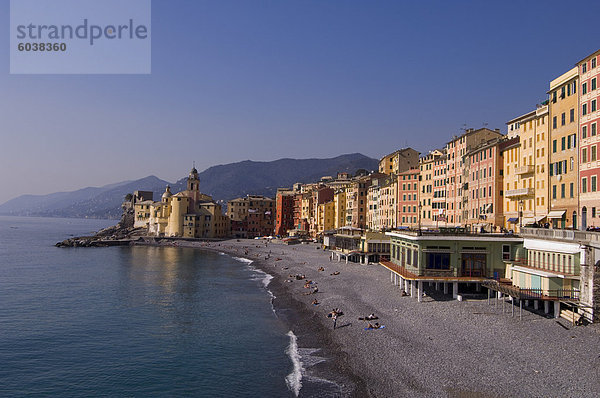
(556, 214)
(528, 220)
(513, 220)
(539, 218)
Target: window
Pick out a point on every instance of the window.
(571, 187)
(593, 106)
(563, 119)
(554, 146)
(553, 191)
(584, 185)
(584, 132)
(593, 132)
(593, 153)
(563, 143)
(584, 155)
(572, 115)
(584, 109)
(593, 62)
(593, 84)
(437, 261)
(593, 184)
(584, 88)
(554, 122)
(584, 68)
(562, 190)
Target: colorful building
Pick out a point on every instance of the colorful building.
(483, 186)
(451, 211)
(408, 199)
(426, 167)
(251, 216)
(563, 164)
(399, 161)
(589, 140)
(526, 169)
(284, 209)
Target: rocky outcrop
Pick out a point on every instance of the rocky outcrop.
(122, 233)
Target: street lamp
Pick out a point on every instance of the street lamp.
(520, 214)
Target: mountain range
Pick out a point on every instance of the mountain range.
(222, 182)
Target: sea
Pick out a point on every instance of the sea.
(135, 321)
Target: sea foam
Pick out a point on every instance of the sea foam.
(294, 379)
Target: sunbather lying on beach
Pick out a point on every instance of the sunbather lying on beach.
(315, 302)
(370, 317)
(335, 273)
(321, 269)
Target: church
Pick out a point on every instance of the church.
(187, 214)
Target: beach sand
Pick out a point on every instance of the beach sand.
(437, 348)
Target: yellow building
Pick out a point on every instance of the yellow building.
(339, 201)
(325, 217)
(399, 161)
(526, 170)
(189, 213)
(563, 163)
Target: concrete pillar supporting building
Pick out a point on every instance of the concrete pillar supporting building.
(526, 303)
(556, 309)
(478, 287)
(420, 291)
(445, 287)
(546, 306)
(536, 305)
(412, 289)
(454, 289)
(437, 286)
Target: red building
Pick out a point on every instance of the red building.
(284, 208)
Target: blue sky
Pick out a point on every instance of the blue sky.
(262, 80)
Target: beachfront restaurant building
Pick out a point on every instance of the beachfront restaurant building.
(448, 258)
(355, 245)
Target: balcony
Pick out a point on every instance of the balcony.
(528, 169)
(515, 193)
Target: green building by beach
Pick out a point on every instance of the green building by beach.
(449, 257)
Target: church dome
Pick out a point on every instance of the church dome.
(167, 193)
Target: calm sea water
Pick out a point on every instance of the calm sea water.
(140, 321)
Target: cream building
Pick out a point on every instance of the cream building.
(189, 213)
(426, 183)
(526, 170)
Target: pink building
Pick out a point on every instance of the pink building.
(408, 200)
(483, 188)
(589, 141)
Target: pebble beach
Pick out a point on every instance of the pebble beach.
(437, 348)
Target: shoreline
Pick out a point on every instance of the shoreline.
(439, 347)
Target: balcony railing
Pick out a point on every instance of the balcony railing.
(533, 294)
(527, 169)
(561, 234)
(513, 193)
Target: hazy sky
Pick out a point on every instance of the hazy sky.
(262, 80)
